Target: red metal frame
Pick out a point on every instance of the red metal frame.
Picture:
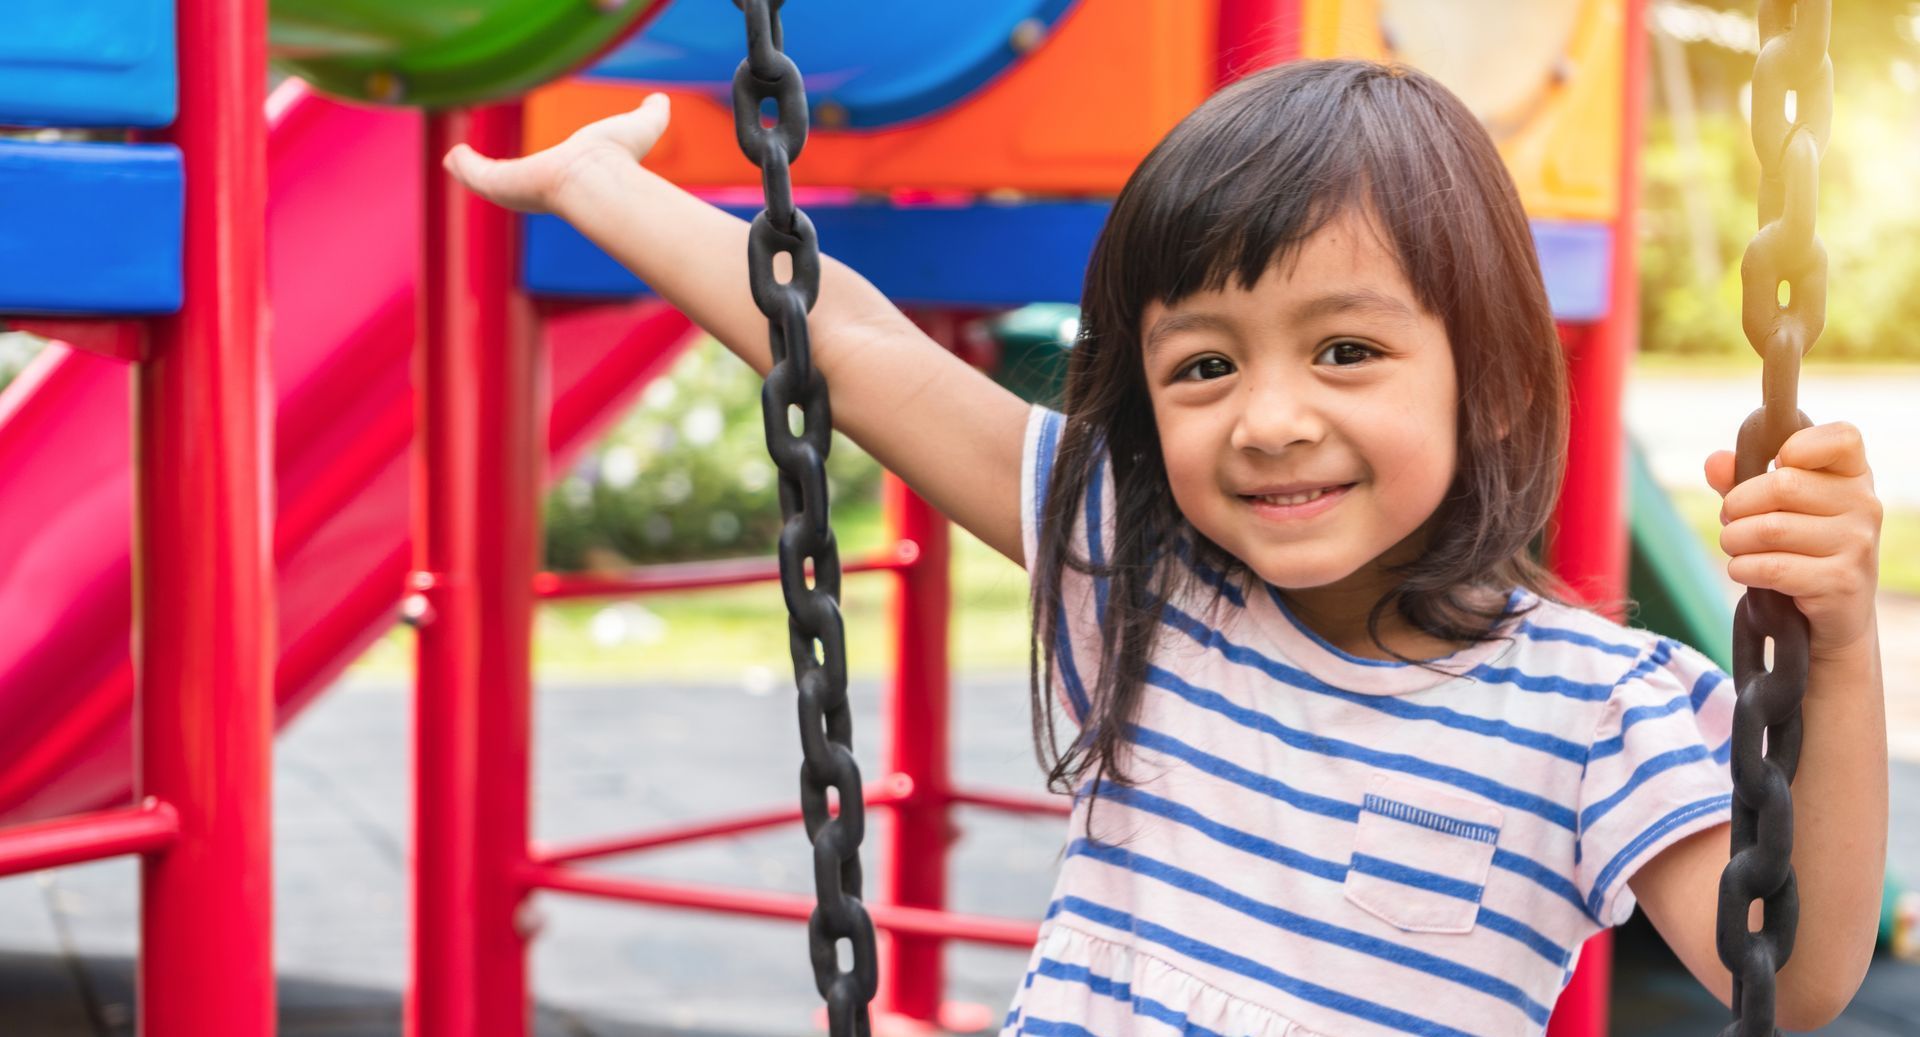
(478, 455)
(480, 396)
(203, 618)
(205, 635)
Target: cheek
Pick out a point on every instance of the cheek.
(1416, 459)
(1189, 467)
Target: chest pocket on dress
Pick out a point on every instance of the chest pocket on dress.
(1421, 854)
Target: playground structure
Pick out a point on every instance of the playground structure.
(997, 129)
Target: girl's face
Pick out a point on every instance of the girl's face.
(1308, 425)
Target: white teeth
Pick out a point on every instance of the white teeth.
(1293, 498)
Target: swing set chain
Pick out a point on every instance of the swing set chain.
(796, 392)
(1792, 117)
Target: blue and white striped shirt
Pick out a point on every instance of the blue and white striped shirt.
(1324, 844)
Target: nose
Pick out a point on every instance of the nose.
(1277, 413)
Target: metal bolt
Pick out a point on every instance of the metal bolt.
(1027, 35)
(386, 87)
(528, 920)
(416, 611)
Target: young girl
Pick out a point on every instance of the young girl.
(1343, 761)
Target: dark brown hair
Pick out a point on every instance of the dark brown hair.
(1239, 185)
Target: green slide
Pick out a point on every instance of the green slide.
(442, 53)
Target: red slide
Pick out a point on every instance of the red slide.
(344, 253)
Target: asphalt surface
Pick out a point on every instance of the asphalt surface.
(614, 758)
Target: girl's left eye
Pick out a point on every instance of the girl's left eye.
(1348, 353)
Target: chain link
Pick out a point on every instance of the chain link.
(1792, 117)
(814, 631)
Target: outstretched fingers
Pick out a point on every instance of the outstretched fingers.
(634, 132)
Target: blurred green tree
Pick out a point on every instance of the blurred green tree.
(685, 475)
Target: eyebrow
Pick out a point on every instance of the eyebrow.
(1358, 300)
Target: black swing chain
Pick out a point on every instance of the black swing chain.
(814, 629)
(1793, 66)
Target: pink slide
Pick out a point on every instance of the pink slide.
(343, 218)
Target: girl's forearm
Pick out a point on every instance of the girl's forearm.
(1840, 829)
(694, 255)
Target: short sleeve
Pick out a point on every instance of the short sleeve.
(1075, 641)
(1656, 772)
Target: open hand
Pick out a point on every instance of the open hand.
(536, 182)
(1810, 529)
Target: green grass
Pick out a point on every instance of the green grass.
(740, 633)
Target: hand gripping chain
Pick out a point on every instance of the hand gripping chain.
(1793, 68)
(814, 630)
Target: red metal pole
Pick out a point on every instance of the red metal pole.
(918, 921)
(148, 828)
(1589, 544)
(441, 993)
(514, 397)
(204, 628)
(478, 466)
(1252, 35)
(913, 858)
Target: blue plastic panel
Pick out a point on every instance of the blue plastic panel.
(1575, 259)
(90, 228)
(87, 63)
(996, 255)
(880, 63)
(990, 255)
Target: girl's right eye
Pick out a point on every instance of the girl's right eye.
(1206, 368)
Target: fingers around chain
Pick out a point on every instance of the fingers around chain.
(1820, 587)
(1793, 490)
(1794, 534)
(1835, 446)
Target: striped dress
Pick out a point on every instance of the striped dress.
(1322, 844)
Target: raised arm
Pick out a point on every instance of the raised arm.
(948, 430)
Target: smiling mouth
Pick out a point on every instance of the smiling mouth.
(1292, 507)
(1295, 499)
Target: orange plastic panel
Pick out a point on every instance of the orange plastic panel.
(1560, 136)
(1075, 117)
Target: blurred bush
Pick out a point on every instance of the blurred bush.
(685, 475)
(1698, 208)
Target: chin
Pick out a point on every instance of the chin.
(1293, 575)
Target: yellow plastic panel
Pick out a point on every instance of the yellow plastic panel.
(1543, 75)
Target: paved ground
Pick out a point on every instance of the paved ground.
(67, 937)
(1680, 419)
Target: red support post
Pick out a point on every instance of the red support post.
(1588, 546)
(477, 465)
(1254, 34)
(204, 629)
(514, 398)
(913, 850)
